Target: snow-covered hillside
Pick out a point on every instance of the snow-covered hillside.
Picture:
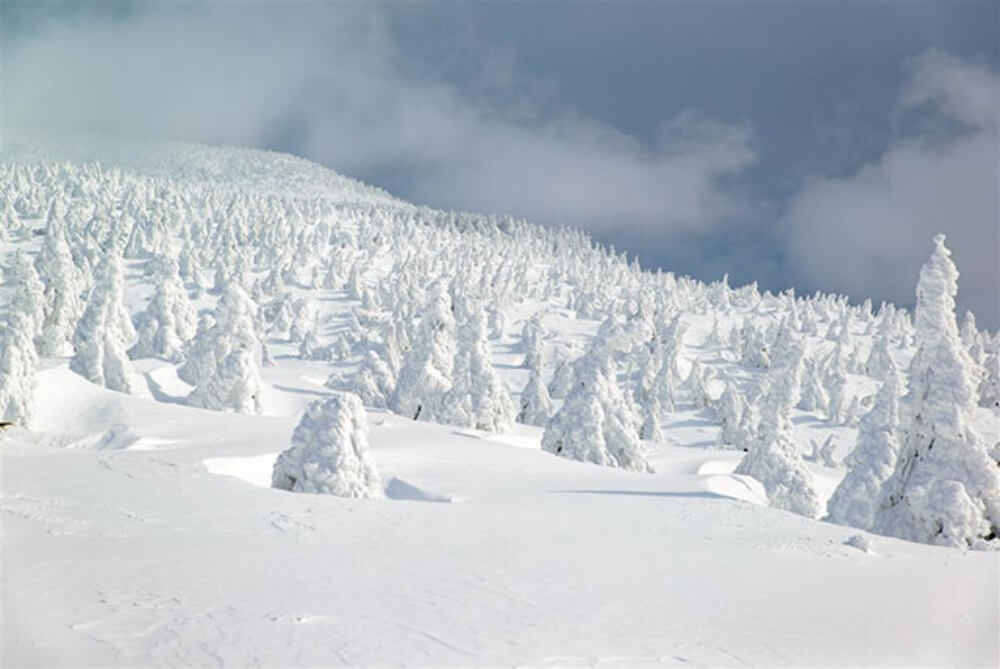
(609, 466)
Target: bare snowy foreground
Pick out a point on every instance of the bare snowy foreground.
(139, 528)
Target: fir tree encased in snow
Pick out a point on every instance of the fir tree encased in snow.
(477, 397)
(17, 368)
(169, 320)
(63, 286)
(425, 375)
(946, 487)
(772, 457)
(329, 452)
(872, 461)
(28, 295)
(223, 360)
(103, 331)
(536, 405)
(595, 423)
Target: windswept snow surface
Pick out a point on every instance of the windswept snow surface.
(140, 531)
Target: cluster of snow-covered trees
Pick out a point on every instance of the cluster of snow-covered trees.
(434, 295)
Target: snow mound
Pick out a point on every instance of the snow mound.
(401, 490)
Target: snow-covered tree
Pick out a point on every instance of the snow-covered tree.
(697, 386)
(594, 424)
(650, 429)
(536, 405)
(169, 320)
(729, 412)
(872, 461)
(63, 286)
(477, 397)
(329, 452)
(223, 359)
(103, 331)
(989, 387)
(946, 487)
(562, 380)
(235, 385)
(27, 294)
(17, 368)
(813, 396)
(772, 458)
(426, 371)
(879, 360)
(532, 339)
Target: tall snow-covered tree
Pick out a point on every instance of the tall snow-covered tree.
(17, 368)
(729, 412)
(946, 487)
(329, 452)
(27, 294)
(234, 386)
(103, 331)
(595, 424)
(536, 405)
(223, 359)
(425, 375)
(872, 461)
(169, 320)
(477, 397)
(63, 286)
(561, 381)
(772, 457)
(989, 387)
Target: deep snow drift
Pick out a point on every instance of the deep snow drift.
(138, 528)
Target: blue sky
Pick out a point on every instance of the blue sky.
(808, 145)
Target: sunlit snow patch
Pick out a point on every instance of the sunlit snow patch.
(256, 470)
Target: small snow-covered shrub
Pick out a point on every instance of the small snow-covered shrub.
(329, 452)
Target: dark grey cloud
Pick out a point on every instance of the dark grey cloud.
(868, 232)
(330, 80)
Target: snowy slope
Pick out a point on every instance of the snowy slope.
(140, 531)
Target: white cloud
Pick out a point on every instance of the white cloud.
(331, 75)
(868, 234)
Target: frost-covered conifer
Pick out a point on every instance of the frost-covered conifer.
(536, 405)
(100, 336)
(63, 286)
(729, 411)
(223, 359)
(754, 349)
(772, 457)
(235, 385)
(946, 487)
(651, 430)
(425, 375)
(329, 452)
(17, 368)
(28, 294)
(813, 396)
(836, 382)
(169, 320)
(532, 337)
(593, 424)
(561, 381)
(477, 397)
(989, 387)
(872, 461)
(698, 388)
(715, 338)
(879, 360)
